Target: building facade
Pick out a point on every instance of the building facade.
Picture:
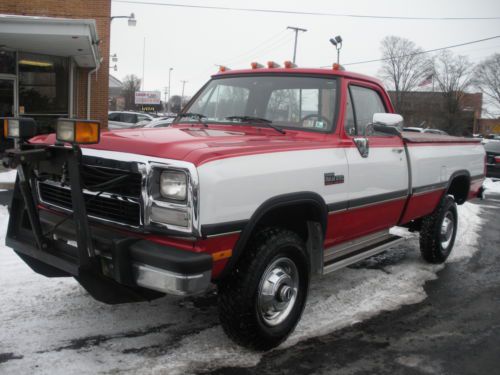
(54, 59)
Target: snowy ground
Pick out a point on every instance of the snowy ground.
(51, 326)
(8, 176)
(491, 187)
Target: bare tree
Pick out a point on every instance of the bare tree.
(404, 67)
(453, 76)
(131, 84)
(487, 79)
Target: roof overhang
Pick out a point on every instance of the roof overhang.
(76, 38)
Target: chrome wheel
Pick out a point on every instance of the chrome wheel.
(447, 229)
(277, 291)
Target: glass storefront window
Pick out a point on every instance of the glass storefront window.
(7, 62)
(43, 84)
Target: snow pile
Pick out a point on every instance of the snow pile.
(58, 329)
(491, 187)
(8, 177)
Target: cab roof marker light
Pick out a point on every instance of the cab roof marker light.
(256, 65)
(223, 68)
(288, 64)
(272, 64)
(337, 66)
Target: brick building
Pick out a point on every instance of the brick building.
(54, 59)
(429, 109)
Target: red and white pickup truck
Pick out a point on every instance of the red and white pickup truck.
(270, 176)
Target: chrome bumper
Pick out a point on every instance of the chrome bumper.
(169, 282)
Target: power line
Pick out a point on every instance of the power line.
(421, 52)
(296, 12)
(276, 38)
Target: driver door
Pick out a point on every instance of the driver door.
(378, 175)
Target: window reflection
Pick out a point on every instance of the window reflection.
(43, 84)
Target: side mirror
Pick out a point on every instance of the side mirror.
(388, 123)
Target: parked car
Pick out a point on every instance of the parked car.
(250, 189)
(492, 159)
(160, 123)
(422, 130)
(126, 119)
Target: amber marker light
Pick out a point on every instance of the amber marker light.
(272, 64)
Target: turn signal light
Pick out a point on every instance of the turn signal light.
(256, 65)
(19, 128)
(78, 131)
(272, 64)
(288, 64)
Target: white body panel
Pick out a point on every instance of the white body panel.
(232, 189)
(383, 171)
(435, 164)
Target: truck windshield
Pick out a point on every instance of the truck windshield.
(286, 101)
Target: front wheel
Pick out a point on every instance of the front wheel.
(262, 300)
(438, 232)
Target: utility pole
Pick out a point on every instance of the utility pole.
(169, 88)
(182, 95)
(296, 30)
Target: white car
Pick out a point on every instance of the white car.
(127, 119)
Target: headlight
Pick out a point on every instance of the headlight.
(20, 128)
(13, 128)
(78, 131)
(173, 185)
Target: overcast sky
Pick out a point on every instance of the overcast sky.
(192, 41)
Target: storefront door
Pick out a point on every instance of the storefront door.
(7, 97)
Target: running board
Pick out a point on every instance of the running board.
(360, 254)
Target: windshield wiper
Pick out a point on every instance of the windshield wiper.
(259, 120)
(198, 116)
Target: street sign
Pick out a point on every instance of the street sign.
(148, 97)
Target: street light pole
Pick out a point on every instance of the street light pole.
(143, 61)
(296, 30)
(182, 95)
(337, 42)
(169, 88)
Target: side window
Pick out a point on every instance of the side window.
(114, 116)
(143, 118)
(366, 103)
(349, 123)
(131, 118)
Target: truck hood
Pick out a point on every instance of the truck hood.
(199, 144)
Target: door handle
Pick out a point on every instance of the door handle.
(397, 150)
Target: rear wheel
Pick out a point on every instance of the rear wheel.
(438, 232)
(262, 300)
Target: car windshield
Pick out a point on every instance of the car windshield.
(286, 101)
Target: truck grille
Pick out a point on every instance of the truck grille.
(119, 203)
